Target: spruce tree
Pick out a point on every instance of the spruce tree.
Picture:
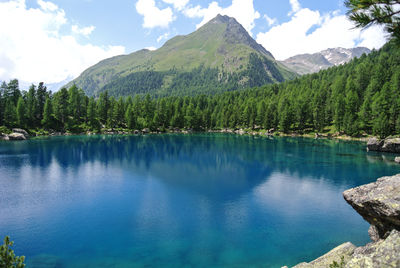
(21, 113)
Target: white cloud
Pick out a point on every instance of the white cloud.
(150, 48)
(295, 6)
(47, 6)
(34, 46)
(162, 37)
(152, 15)
(85, 31)
(308, 31)
(270, 21)
(178, 4)
(242, 10)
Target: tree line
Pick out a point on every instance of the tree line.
(361, 97)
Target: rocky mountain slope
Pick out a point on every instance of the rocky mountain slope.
(219, 56)
(379, 204)
(312, 63)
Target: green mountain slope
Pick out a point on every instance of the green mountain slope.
(219, 56)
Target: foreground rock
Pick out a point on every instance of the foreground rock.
(383, 253)
(342, 253)
(387, 145)
(379, 204)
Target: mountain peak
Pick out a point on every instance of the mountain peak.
(221, 52)
(235, 33)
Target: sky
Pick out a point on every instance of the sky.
(54, 41)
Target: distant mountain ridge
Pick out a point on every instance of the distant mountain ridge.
(219, 56)
(311, 63)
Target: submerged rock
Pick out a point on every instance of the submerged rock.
(378, 203)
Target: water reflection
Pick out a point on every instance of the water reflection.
(185, 200)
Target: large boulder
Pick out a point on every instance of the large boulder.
(379, 204)
(387, 145)
(391, 145)
(342, 253)
(21, 131)
(16, 137)
(383, 253)
(374, 144)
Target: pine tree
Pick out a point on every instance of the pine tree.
(47, 114)
(31, 106)
(10, 113)
(383, 12)
(41, 96)
(91, 114)
(61, 105)
(21, 113)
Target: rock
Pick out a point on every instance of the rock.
(397, 160)
(342, 252)
(387, 145)
(373, 233)
(16, 137)
(21, 131)
(4, 137)
(145, 130)
(136, 131)
(384, 253)
(391, 145)
(240, 132)
(378, 203)
(374, 144)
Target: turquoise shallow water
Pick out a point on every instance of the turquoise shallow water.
(203, 200)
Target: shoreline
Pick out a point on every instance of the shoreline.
(241, 132)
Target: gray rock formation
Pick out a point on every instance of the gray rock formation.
(20, 131)
(16, 137)
(379, 204)
(311, 63)
(383, 253)
(387, 145)
(341, 253)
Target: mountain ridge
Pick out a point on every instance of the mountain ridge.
(221, 47)
(311, 63)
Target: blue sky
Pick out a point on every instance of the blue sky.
(54, 41)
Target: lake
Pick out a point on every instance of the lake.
(201, 200)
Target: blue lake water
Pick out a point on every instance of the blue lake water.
(202, 200)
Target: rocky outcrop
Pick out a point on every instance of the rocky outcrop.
(17, 134)
(383, 253)
(386, 145)
(20, 131)
(16, 137)
(379, 204)
(342, 253)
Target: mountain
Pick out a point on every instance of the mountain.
(312, 63)
(219, 56)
